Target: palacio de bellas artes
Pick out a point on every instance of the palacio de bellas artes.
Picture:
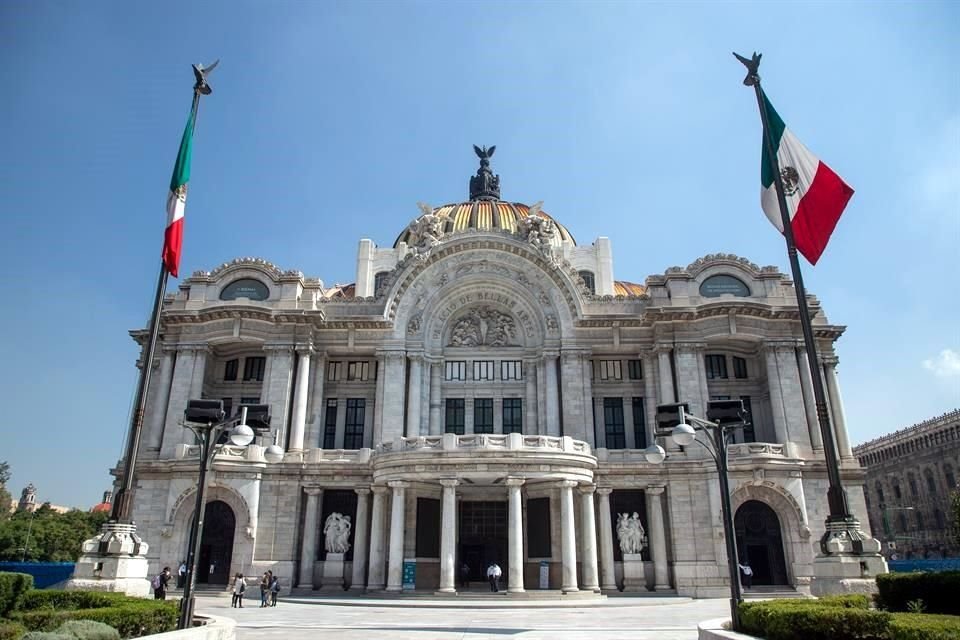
(485, 392)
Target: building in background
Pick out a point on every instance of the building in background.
(910, 476)
(486, 387)
(28, 501)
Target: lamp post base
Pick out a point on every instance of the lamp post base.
(113, 560)
(849, 560)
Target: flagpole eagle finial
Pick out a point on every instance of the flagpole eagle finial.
(753, 67)
(200, 73)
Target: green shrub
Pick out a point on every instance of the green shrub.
(11, 630)
(60, 600)
(794, 619)
(920, 626)
(132, 619)
(46, 635)
(850, 601)
(938, 591)
(12, 588)
(89, 630)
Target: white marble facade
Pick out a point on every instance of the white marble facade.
(479, 368)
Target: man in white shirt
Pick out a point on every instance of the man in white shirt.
(493, 574)
(747, 574)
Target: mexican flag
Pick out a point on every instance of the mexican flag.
(177, 201)
(816, 196)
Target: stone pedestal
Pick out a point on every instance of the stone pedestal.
(634, 578)
(113, 560)
(849, 561)
(332, 579)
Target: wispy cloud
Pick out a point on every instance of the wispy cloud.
(945, 365)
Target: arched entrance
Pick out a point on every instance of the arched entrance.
(216, 544)
(760, 544)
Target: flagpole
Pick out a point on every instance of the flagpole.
(836, 496)
(123, 503)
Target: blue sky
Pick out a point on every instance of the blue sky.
(330, 120)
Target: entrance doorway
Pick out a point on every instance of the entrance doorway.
(483, 537)
(759, 543)
(216, 544)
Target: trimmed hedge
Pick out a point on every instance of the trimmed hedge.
(938, 591)
(46, 635)
(131, 619)
(924, 626)
(796, 619)
(61, 600)
(89, 630)
(12, 588)
(11, 630)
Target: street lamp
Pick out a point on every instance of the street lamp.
(725, 416)
(207, 421)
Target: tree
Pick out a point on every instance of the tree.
(955, 510)
(47, 536)
(5, 497)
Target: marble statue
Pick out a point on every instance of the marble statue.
(630, 533)
(337, 533)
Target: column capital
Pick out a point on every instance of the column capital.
(691, 347)
(780, 345)
(305, 349)
(279, 348)
(379, 489)
(362, 491)
(655, 490)
(392, 356)
(662, 347)
(604, 491)
(193, 347)
(587, 489)
(568, 484)
(515, 482)
(550, 355)
(449, 482)
(415, 356)
(829, 361)
(398, 484)
(313, 491)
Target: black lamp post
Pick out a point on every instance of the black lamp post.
(205, 418)
(725, 416)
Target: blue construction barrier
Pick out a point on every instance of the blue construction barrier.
(44, 574)
(906, 566)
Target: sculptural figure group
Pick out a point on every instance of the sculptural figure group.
(630, 533)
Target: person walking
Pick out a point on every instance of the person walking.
(239, 586)
(264, 588)
(493, 574)
(465, 575)
(182, 574)
(159, 584)
(274, 590)
(747, 575)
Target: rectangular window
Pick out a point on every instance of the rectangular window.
(333, 371)
(428, 528)
(634, 369)
(716, 367)
(511, 370)
(610, 370)
(456, 370)
(512, 415)
(538, 527)
(639, 424)
(748, 433)
(230, 370)
(613, 423)
(739, 367)
(483, 415)
(253, 368)
(358, 370)
(227, 406)
(454, 416)
(250, 400)
(353, 427)
(330, 425)
(483, 369)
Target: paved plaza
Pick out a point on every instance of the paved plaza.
(616, 618)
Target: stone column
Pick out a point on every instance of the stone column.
(568, 538)
(588, 414)
(809, 402)
(276, 387)
(550, 391)
(199, 370)
(776, 396)
(649, 398)
(657, 538)
(360, 542)
(608, 580)
(691, 376)
(308, 552)
(378, 400)
(187, 378)
(836, 404)
(436, 412)
(397, 524)
(665, 375)
(394, 390)
(158, 417)
(515, 536)
(313, 438)
(588, 529)
(413, 397)
(375, 579)
(448, 536)
(530, 397)
(300, 395)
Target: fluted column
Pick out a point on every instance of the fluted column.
(379, 398)
(299, 422)
(158, 417)
(515, 536)
(530, 397)
(658, 538)
(809, 403)
(413, 396)
(568, 538)
(375, 579)
(360, 542)
(553, 402)
(608, 579)
(436, 409)
(588, 529)
(776, 396)
(665, 376)
(308, 552)
(448, 536)
(836, 404)
(649, 398)
(397, 517)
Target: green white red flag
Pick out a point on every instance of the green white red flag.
(815, 195)
(177, 200)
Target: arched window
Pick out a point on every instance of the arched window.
(880, 494)
(931, 483)
(722, 284)
(951, 479)
(245, 288)
(913, 485)
(589, 280)
(379, 280)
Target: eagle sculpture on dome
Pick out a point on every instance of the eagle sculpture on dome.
(483, 153)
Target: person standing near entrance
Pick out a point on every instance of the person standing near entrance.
(239, 586)
(493, 574)
(182, 574)
(265, 588)
(160, 583)
(464, 575)
(747, 575)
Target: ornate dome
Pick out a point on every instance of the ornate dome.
(486, 215)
